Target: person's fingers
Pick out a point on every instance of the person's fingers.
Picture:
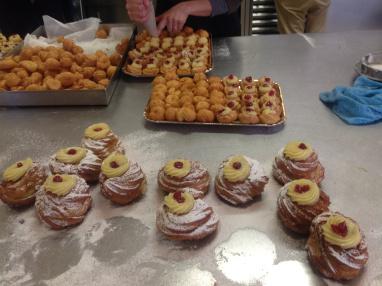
(162, 24)
(159, 18)
(169, 24)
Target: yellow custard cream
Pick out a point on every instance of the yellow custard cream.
(303, 192)
(341, 231)
(71, 155)
(179, 202)
(60, 185)
(97, 131)
(17, 170)
(237, 169)
(115, 165)
(177, 168)
(297, 150)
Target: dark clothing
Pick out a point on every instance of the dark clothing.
(224, 25)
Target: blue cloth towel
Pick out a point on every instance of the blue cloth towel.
(359, 104)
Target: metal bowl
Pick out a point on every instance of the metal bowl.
(371, 66)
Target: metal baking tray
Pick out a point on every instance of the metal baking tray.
(371, 66)
(276, 86)
(132, 46)
(65, 97)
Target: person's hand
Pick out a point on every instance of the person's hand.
(138, 10)
(174, 19)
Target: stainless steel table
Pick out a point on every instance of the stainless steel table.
(121, 246)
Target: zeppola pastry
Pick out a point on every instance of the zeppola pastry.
(336, 246)
(121, 180)
(299, 202)
(240, 179)
(99, 139)
(63, 201)
(184, 175)
(181, 217)
(297, 160)
(76, 161)
(20, 182)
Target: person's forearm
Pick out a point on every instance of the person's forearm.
(197, 7)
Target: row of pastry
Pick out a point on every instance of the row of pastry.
(336, 245)
(209, 99)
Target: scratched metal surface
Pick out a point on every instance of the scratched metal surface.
(121, 246)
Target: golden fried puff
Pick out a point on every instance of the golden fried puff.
(227, 115)
(135, 67)
(181, 217)
(336, 246)
(249, 116)
(185, 114)
(269, 116)
(122, 180)
(63, 201)
(101, 140)
(21, 181)
(157, 113)
(76, 161)
(199, 76)
(230, 80)
(240, 180)
(205, 116)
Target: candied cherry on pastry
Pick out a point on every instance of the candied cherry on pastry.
(269, 116)
(184, 175)
(227, 115)
(249, 116)
(20, 183)
(63, 201)
(181, 217)
(336, 246)
(76, 161)
(248, 80)
(205, 116)
(240, 179)
(297, 160)
(272, 105)
(121, 179)
(231, 80)
(101, 140)
(265, 80)
(299, 202)
(270, 96)
(234, 104)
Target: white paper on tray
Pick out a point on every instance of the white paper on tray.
(79, 31)
(82, 32)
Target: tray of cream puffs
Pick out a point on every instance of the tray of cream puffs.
(186, 53)
(60, 192)
(215, 100)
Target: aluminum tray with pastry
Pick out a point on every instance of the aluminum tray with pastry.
(213, 100)
(187, 53)
(64, 73)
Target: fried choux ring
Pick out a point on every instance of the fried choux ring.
(66, 78)
(185, 99)
(205, 115)
(52, 84)
(216, 86)
(173, 83)
(156, 102)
